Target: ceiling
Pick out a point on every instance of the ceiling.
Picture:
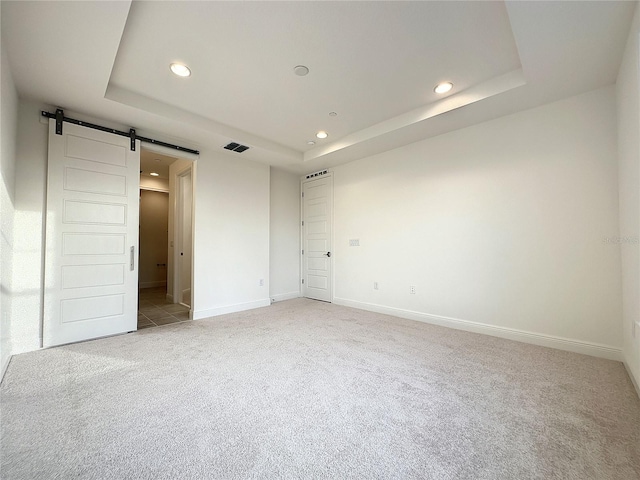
(375, 64)
(151, 162)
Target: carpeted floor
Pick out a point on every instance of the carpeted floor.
(305, 389)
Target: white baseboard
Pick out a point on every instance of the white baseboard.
(633, 379)
(285, 296)
(238, 307)
(153, 284)
(568, 344)
(3, 367)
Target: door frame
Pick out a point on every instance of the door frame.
(308, 179)
(192, 158)
(177, 240)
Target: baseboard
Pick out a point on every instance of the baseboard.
(153, 284)
(560, 343)
(3, 367)
(284, 296)
(169, 297)
(633, 379)
(238, 307)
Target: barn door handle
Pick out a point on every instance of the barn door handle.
(131, 259)
(328, 254)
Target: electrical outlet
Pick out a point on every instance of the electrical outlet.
(375, 285)
(261, 283)
(412, 289)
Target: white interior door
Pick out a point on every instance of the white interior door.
(185, 201)
(91, 260)
(317, 208)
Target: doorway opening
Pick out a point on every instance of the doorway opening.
(166, 239)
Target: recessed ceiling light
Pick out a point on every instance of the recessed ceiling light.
(180, 70)
(322, 134)
(158, 160)
(301, 70)
(333, 114)
(154, 174)
(443, 87)
(311, 142)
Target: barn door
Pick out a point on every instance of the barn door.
(91, 259)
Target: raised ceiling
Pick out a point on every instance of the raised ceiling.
(373, 63)
(368, 62)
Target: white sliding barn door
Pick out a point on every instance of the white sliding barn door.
(91, 260)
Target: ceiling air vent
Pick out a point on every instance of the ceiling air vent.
(236, 147)
(317, 174)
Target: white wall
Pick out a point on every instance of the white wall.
(8, 128)
(284, 236)
(503, 224)
(232, 234)
(154, 217)
(628, 96)
(31, 182)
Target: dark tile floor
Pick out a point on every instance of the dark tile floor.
(154, 309)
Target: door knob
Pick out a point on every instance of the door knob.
(328, 254)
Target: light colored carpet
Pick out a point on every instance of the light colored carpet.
(305, 389)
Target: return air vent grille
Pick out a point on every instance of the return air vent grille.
(236, 147)
(317, 174)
